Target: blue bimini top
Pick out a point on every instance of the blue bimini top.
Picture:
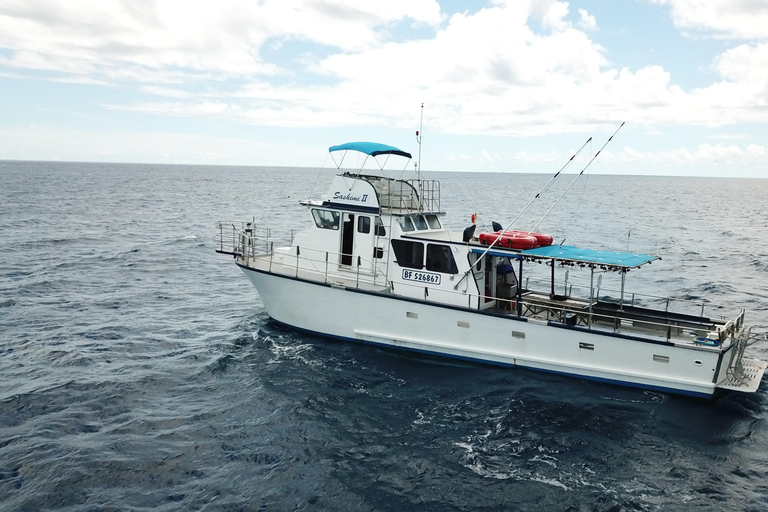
(607, 259)
(370, 148)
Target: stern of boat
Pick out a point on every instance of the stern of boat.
(743, 374)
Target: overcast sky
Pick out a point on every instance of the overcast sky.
(513, 86)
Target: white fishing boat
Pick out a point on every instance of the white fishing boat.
(376, 265)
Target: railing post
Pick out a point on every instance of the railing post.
(591, 295)
(298, 252)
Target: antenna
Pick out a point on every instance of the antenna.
(418, 164)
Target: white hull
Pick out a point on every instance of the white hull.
(416, 325)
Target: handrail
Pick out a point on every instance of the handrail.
(696, 306)
(245, 242)
(555, 313)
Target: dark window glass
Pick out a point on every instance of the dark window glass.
(409, 254)
(380, 231)
(326, 219)
(420, 222)
(440, 259)
(363, 224)
(406, 224)
(433, 221)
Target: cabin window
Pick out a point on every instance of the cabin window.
(440, 259)
(420, 222)
(409, 254)
(326, 219)
(433, 221)
(363, 224)
(378, 253)
(380, 231)
(406, 224)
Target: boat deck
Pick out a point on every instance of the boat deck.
(613, 318)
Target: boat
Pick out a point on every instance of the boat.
(376, 265)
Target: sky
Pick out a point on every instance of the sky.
(506, 85)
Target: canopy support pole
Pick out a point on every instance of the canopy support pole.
(552, 292)
(591, 294)
(520, 290)
(617, 322)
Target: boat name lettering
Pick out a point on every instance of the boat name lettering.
(422, 277)
(350, 197)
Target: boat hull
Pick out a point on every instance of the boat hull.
(386, 320)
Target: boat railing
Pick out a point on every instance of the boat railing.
(630, 299)
(409, 195)
(249, 243)
(248, 239)
(582, 313)
(326, 264)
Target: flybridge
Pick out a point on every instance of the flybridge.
(385, 194)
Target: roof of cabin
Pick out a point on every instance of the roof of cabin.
(577, 255)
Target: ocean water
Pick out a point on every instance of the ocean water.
(139, 370)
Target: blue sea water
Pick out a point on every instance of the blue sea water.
(139, 370)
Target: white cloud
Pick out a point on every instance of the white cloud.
(147, 40)
(514, 68)
(727, 19)
(701, 155)
(587, 21)
(746, 65)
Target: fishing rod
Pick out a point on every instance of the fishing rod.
(545, 187)
(501, 232)
(577, 177)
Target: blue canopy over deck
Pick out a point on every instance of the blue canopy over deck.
(370, 148)
(578, 255)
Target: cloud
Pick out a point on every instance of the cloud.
(724, 19)
(150, 40)
(512, 68)
(587, 21)
(701, 155)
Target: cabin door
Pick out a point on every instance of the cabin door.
(485, 277)
(347, 238)
(364, 243)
